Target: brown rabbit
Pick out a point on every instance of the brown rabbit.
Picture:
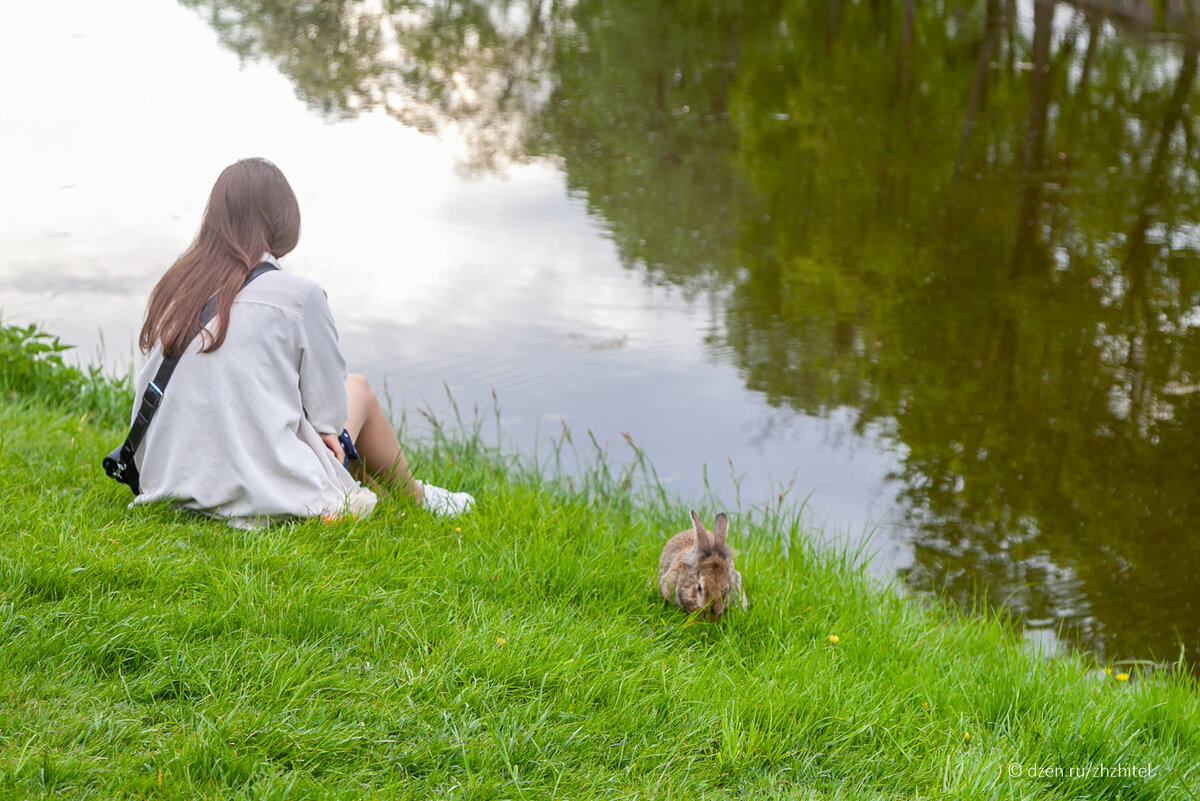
(695, 570)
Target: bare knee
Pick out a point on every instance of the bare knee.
(358, 390)
(362, 405)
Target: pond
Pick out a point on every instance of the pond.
(932, 266)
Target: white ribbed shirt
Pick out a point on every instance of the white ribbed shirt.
(237, 434)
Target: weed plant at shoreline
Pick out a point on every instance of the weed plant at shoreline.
(519, 651)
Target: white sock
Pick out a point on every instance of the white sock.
(444, 502)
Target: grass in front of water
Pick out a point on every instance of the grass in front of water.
(517, 652)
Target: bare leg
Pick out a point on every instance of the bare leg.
(376, 440)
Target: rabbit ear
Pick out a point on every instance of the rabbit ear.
(702, 543)
(721, 529)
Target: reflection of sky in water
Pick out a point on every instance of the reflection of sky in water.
(112, 142)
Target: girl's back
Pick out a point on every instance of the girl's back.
(239, 430)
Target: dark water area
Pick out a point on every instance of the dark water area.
(970, 231)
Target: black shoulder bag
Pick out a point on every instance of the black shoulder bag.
(119, 464)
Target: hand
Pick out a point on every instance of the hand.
(331, 442)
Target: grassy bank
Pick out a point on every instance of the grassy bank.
(517, 652)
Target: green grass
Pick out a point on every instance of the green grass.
(516, 652)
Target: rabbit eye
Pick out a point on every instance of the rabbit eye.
(700, 589)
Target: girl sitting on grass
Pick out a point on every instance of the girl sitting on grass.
(259, 413)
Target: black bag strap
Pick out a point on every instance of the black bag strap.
(152, 397)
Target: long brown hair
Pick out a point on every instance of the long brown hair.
(251, 211)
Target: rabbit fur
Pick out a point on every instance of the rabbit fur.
(695, 570)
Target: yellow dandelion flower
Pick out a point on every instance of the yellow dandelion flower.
(833, 638)
(1122, 677)
(966, 736)
(501, 641)
(1108, 671)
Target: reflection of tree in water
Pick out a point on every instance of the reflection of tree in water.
(475, 67)
(632, 100)
(1015, 298)
(332, 50)
(980, 233)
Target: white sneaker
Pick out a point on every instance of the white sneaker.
(444, 502)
